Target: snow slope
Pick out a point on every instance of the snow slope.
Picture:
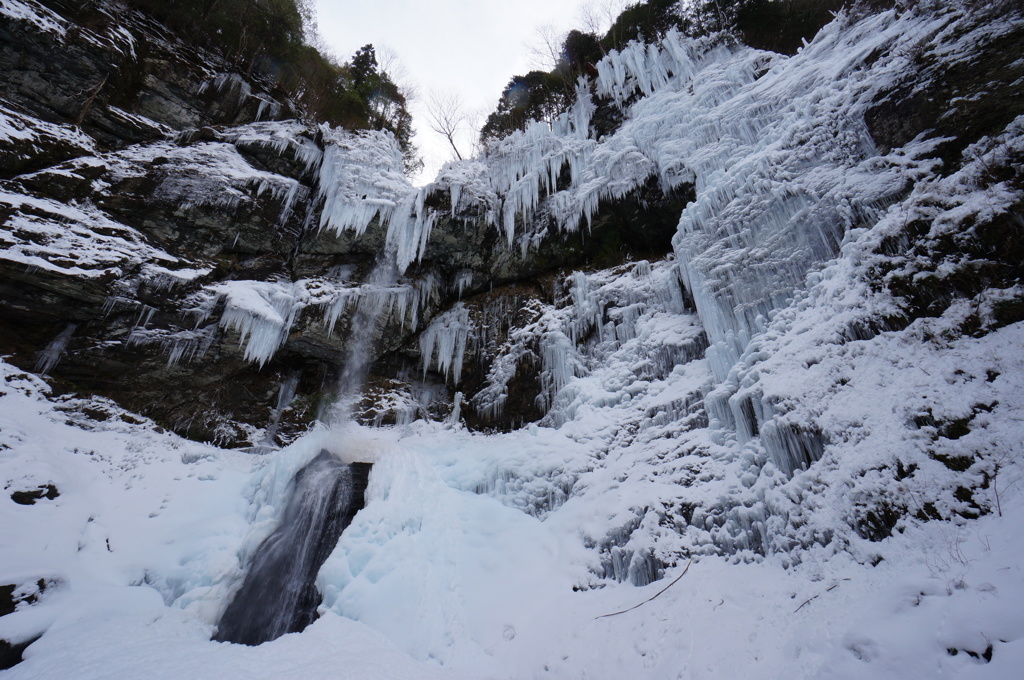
(144, 541)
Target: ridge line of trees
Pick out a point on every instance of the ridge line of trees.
(776, 25)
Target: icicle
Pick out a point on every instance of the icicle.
(48, 358)
(262, 313)
(456, 415)
(463, 280)
(285, 395)
(443, 342)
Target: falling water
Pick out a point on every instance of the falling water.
(285, 395)
(279, 593)
(371, 305)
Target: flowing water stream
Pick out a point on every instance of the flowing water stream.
(279, 593)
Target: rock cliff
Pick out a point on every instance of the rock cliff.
(140, 173)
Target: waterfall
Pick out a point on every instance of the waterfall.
(371, 306)
(279, 593)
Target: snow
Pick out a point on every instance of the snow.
(752, 445)
(42, 17)
(71, 240)
(15, 126)
(433, 580)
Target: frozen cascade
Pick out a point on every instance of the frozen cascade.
(443, 342)
(49, 357)
(362, 179)
(777, 150)
(782, 167)
(279, 595)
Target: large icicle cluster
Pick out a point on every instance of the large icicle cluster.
(262, 312)
(361, 180)
(785, 173)
(443, 342)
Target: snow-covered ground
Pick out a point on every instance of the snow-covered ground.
(142, 546)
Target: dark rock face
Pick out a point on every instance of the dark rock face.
(7, 602)
(10, 653)
(47, 491)
(11, 596)
(122, 77)
(77, 95)
(953, 101)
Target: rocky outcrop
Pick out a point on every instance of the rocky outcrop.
(15, 596)
(118, 75)
(142, 202)
(949, 99)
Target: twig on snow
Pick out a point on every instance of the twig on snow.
(602, 616)
(815, 597)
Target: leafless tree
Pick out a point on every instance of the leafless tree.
(546, 48)
(447, 116)
(597, 16)
(475, 120)
(389, 62)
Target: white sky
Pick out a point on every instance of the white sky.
(471, 47)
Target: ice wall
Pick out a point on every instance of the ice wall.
(779, 157)
(775, 147)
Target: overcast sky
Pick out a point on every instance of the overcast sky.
(471, 47)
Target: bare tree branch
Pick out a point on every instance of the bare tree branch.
(597, 16)
(389, 62)
(604, 616)
(475, 120)
(446, 116)
(546, 47)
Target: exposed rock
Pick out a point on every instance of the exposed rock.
(10, 652)
(47, 491)
(951, 100)
(11, 596)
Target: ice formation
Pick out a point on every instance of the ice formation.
(443, 342)
(261, 312)
(757, 402)
(49, 357)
